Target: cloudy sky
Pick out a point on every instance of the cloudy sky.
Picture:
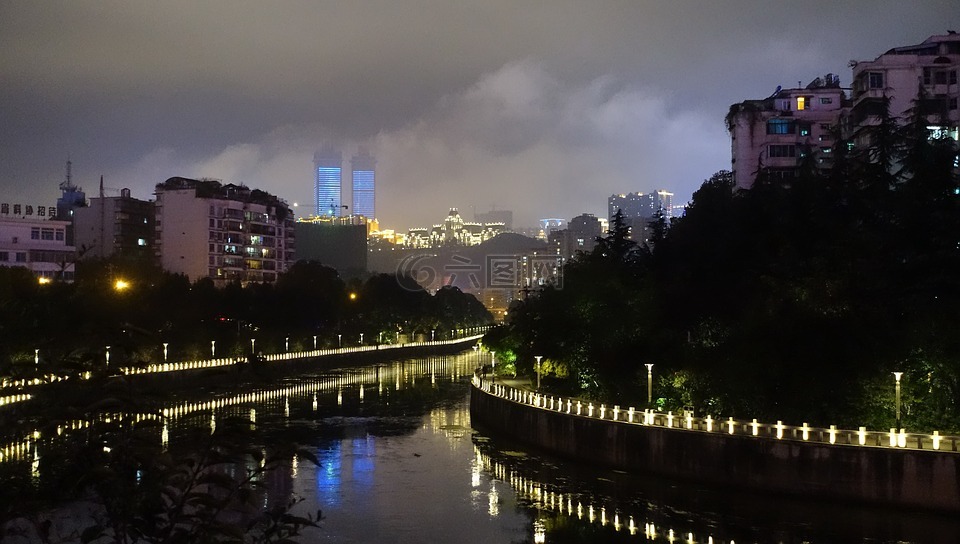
(545, 107)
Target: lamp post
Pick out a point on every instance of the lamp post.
(108, 355)
(36, 359)
(286, 343)
(213, 349)
(432, 333)
(165, 344)
(897, 376)
(361, 338)
(493, 366)
(339, 340)
(253, 345)
(649, 384)
(314, 342)
(538, 358)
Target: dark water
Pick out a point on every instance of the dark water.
(400, 462)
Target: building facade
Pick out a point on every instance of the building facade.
(39, 245)
(328, 179)
(775, 135)
(120, 226)
(580, 236)
(926, 72)
(364, 184)
(223, 232)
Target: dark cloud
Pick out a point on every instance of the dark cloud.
(542, 108)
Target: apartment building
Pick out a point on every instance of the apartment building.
(925, 75)
(120, 226)
(205, 229)
(776, 134)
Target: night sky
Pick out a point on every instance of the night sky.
(545, 108)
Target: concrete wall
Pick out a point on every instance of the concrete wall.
(916, 478)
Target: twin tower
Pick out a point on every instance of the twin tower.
(328, 169)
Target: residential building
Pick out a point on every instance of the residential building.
(363, 188)
(205, 229)
(774, 135)
(580, 235)
(328, 180)
(927, 72)
(120, 226)
(39, 245)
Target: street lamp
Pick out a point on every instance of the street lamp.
(432, 332)
(253, 345)
(493, 366)
(165, 344)
(108, 355)
(339, 340)
(649, 384)
(538, 357)
(213, 349)
(286, 343)
(897, 376)
(36, 359)
(314, 342)
(361, 338)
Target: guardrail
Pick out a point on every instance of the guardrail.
(22, 384)
(687, 422)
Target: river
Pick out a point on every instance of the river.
(400, 462)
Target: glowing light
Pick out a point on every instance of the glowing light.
(121, 285)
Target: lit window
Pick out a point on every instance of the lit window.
(801, 103)
(141, 242)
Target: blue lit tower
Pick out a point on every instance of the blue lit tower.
(364, 185)
(327, 168)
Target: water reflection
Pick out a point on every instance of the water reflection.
(400, 462)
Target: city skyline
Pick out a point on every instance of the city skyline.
(566, 107)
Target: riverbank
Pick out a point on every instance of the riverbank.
(711, 454)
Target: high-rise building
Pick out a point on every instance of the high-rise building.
(327, 171)
(364, 185)
(223, 232)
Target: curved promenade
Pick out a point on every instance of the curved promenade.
(915, 470)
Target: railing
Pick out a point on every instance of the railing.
(732, 427)
(19, 385)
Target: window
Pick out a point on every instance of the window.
(875, 80)
(788, 150)
(805, 129)
(21, 256)
(59, 235)
(4, 256)
(141, 242)
(780, 126)
(952, 103)
(826, 100)
(927, 76)
(35, 234)
(953, 77)
(940, 77)
(46, 234)
(801, 103)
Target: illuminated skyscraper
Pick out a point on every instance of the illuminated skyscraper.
(327, 170)
(364, 185)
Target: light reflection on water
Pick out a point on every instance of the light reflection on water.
(400, 462)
